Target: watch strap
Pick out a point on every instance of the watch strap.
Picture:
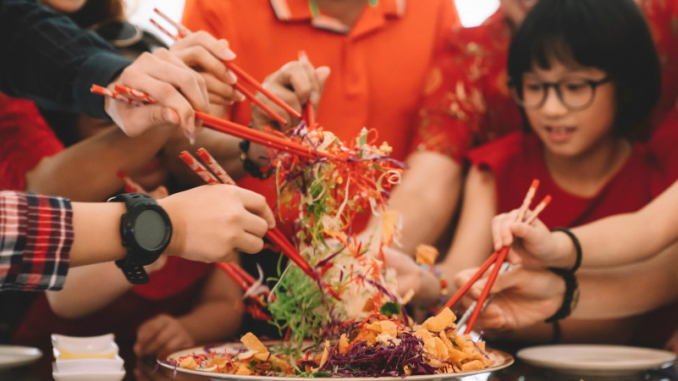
(134, 272)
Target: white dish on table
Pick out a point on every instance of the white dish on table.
(89, 369)
(600, 360)
(95, 347)
(502, 360)
(86, 358)
(13, 356)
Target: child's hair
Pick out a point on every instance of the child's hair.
(610, 35)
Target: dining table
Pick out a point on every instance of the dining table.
(148, 370)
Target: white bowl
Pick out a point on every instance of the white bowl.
(95, 347)
(89, 369)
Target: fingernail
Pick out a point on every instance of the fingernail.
(229, 55)
(231, 78)
(190, 136)
(170, 116)
(240, 96)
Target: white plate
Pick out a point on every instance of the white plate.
(12, 356)
(606, 360)
(501, 359)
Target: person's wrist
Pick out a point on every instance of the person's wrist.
(569, 250)
(175, 247)
(565, 252)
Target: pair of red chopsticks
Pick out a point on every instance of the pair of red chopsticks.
(182, 32)
(128, 95)
(497, 258)
(275, 235)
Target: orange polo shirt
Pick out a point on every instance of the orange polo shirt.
(378, 66)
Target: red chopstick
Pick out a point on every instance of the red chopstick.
(458, 295)
(235, 275)
(501, 257)
(183, 32)
(125, 94)
(310, 113)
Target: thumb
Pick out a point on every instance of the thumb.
(321, 74)
(523, 231)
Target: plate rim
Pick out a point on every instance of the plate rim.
(509, 360)
(31, 354)
(557, 364)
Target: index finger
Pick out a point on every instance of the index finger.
(256, 204)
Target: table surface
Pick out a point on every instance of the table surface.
(517, 372)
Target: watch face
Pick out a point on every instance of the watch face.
(150, 230)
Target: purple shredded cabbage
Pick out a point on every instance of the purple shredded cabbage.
(379, 360)
(480, 350)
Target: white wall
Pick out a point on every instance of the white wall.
(472, 12)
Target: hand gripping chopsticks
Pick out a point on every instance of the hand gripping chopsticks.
(182, 32)
(497, 259)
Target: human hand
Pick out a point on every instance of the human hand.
(424, 284)
(213, 223)
(164, 77)
(161, 336)
(205, 54)
(295, 83)
(532, 245)
(520, 298)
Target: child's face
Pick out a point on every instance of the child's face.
(563, 130)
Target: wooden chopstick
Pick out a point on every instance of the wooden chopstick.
(183, 32)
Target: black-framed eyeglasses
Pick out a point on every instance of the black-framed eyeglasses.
(574, 93)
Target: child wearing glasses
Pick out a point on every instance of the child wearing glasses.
(586, 76)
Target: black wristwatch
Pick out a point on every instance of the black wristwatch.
(145, 230)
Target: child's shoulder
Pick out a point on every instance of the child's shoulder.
(502, 151)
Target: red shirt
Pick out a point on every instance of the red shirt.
(516, 160)
(466, 97)
(378, 65)
(25, 139)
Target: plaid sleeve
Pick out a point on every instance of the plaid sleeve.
(36, 234)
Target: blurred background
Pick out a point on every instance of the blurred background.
(472, 12)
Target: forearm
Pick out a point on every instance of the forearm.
(96, 231)
(212, 321)
(216, 317)
(625, 238)
(426, 199)
(629, 290)
(95, 162)
(223, 147)
(78, 298)
(48, 58)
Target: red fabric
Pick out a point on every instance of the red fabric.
(516, 160)
(172, 290)
(466, 97)
(25, 139)
(36, 237)
(177, 275)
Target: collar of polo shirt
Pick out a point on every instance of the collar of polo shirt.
(300, 11)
